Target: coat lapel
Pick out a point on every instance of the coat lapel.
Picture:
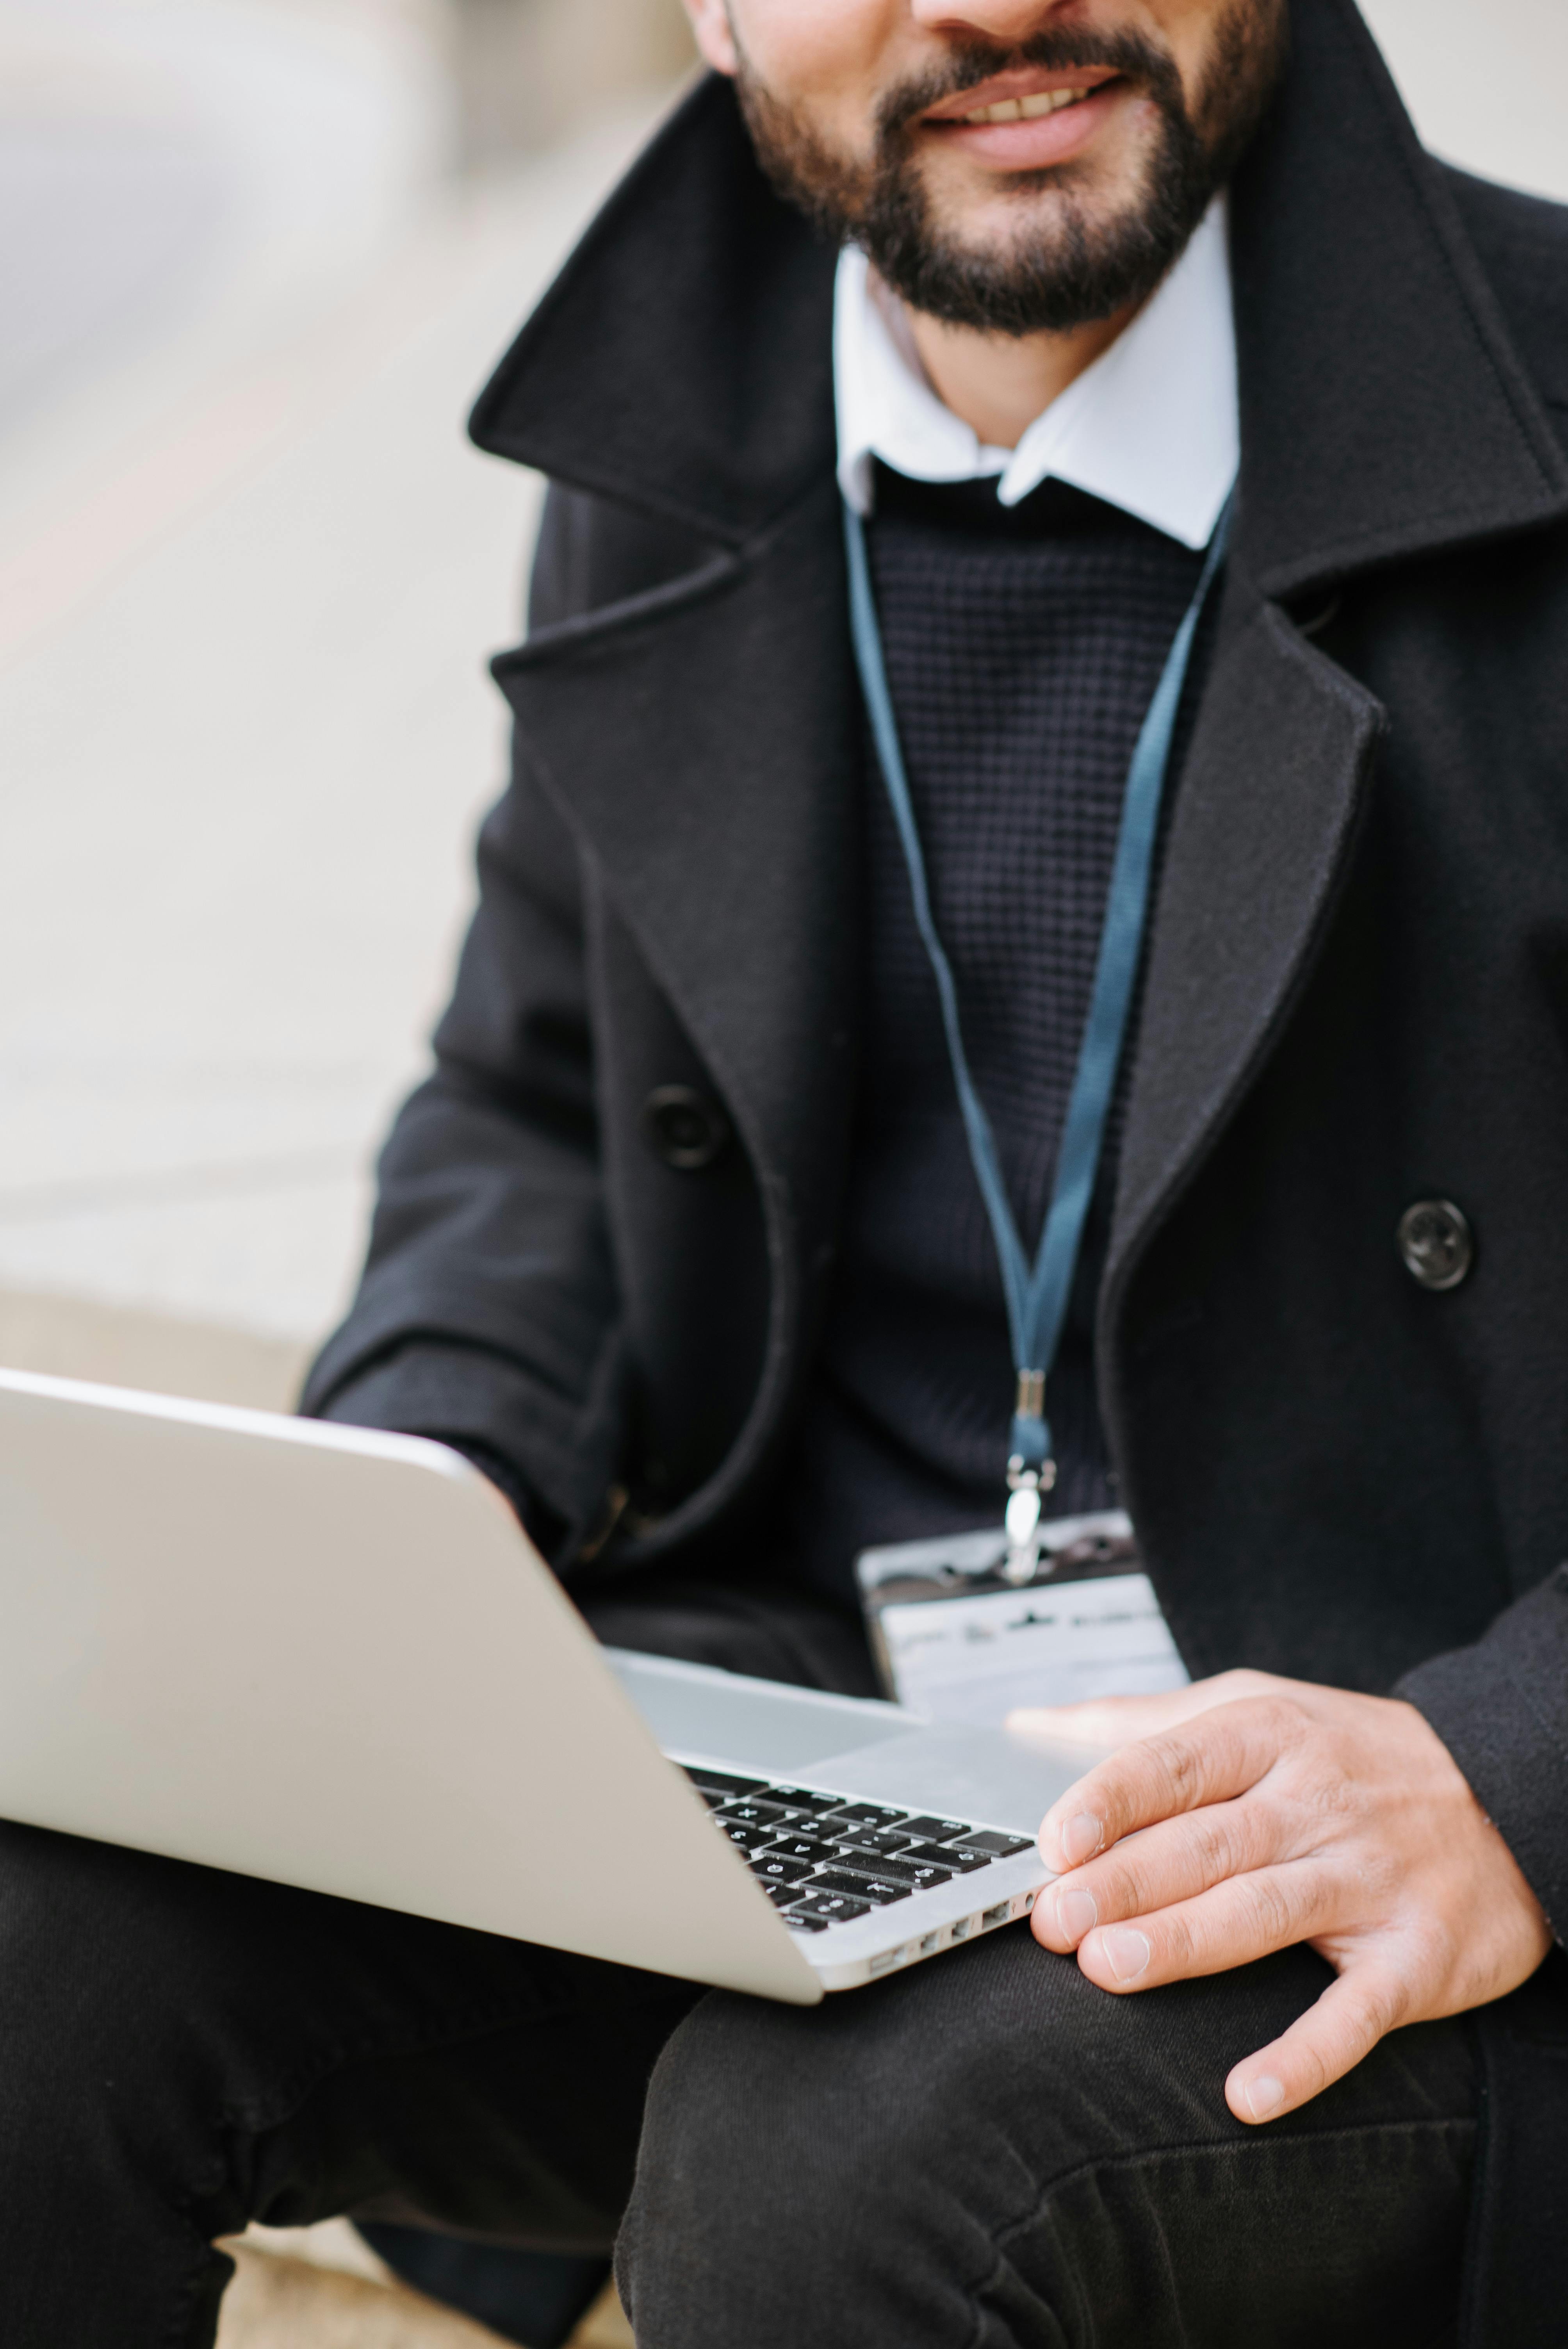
(1259, 842)
(701, 743)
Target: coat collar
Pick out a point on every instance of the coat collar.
(681, 360)
(1384, 412)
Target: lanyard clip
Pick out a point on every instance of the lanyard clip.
(1031, 1474)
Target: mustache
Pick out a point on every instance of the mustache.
(1058, 49)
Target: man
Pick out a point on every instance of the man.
(683, 1241)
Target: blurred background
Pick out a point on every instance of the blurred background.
(255, 257)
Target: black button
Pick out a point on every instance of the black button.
(879, 1888)
(946, 1855)
(919, 1875)
(803, 1846)
(802, 1798)
(1437, 1243)
(712, 1781)
(868, 1863)
(747, 1813)
(749, 1838)
(881, 1843)
(684, 1128)
(781, 1871)
(830, 1907)
(1002, 1846)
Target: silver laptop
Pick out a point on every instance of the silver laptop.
(332, 1658)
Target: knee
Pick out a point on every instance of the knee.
(857, 2154)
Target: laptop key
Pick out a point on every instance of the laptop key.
(879, 1888)
(722, 1784)
(946, 1855)
(801, 1798)
(926, 1878)
(748, 1838)
(781, 1871)
(920, 1876)
(884, 1841)
(750, 1814)
(798, 1922)
(1000, 1846)
(804, 1846)
(832, 1906)
(929, 1830)
(905, 1869)
(863, 1815)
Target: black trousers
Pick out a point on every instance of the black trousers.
(985, 2150)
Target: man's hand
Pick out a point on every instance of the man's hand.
(1253, 1813)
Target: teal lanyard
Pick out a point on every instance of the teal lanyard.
(1038, 1294)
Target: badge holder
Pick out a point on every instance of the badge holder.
(957, 1637)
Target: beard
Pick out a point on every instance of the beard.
(1069, 261)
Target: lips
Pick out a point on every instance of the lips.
(1026, 109)
(1028, 120)
(1020, 95)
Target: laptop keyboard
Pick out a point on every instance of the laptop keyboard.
(826, 1862)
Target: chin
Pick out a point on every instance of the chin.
(1002, 226)
(995, 215)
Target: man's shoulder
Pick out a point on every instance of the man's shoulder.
(1521, 243)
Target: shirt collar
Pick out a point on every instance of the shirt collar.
(1153, 426)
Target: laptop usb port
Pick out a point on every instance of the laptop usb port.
(960, 1931)
(997, 1916)
(887, 1958)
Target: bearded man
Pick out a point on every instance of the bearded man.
(933, 375)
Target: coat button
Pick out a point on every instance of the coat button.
(684, 1128)
(1437, 1243)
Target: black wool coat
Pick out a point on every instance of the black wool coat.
(1356, 995)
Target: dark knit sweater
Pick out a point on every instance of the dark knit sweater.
(1023, 648)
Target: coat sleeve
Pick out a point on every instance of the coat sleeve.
(488, 1313)
(1502, 1709)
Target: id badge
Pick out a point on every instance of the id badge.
(955, 1640)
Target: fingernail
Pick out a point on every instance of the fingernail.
(1076, 1914)
(1080, 1838)
(1264, 2096)
(1127, 1952)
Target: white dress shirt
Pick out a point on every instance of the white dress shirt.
(1151, 427)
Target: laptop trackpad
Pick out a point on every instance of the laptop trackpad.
(707, 1715)
(961, 1773)
(876, 1751)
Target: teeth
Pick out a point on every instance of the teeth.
(1028, 109)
